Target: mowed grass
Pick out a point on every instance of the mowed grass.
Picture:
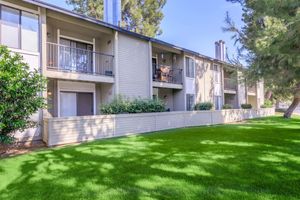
(259, 159)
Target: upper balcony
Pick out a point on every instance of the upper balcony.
(167, 74)
(230, 84)
(230, 81)
(77, 63)
(78, 51)
(166, 70)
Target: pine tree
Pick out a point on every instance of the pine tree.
(271, 36)
(140, 16)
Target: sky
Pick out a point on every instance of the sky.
(194, 24)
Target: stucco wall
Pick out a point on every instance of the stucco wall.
(78, 129)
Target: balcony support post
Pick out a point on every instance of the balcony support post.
(150, 70)
(94, 56)
(58, 42)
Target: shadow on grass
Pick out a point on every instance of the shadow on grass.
(260, 159)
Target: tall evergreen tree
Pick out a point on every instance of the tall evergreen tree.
(140, 16)
(271, 36)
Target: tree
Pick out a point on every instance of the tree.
(271, 36)
(140, 16)
(20, 97)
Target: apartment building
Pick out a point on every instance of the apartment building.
(89, 62)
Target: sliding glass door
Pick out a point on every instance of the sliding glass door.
(76, 104)
(75, 56)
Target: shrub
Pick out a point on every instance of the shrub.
(19, 95)
(246, 106)
(267, 104)
(203, 106)
(122, 106)
(227, 106)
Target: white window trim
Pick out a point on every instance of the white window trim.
(21, 51)
(19, 7)
(76, 39)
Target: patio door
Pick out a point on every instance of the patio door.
(76, 104)
(75, 56)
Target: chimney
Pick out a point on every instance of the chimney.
(112, 12)
(220, 50)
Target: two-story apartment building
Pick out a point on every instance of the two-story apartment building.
(89, 62)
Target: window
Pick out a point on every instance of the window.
(218, 102)
(190, 67)
(216, 73)
(190, 98)
(10, 21)
(29, 31)
(19, 29)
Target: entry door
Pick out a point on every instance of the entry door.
(85, 104)
(68, 104)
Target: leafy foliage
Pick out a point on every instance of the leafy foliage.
(267, 104)
(246, 106)
(203, 106)
(227, 106)
(271, 36)
(143, 17)
(121, 105)
(19, 94)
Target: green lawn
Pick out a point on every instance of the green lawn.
(256, 160)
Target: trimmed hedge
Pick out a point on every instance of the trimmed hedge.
(227, 106)
(203, 106)
(123, 106)
(246, 106)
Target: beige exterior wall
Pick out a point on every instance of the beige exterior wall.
(179, 95)
(34, 62)
(241, 90)
(133, 67)
(166, 95)
(204, 81)
(78, 129)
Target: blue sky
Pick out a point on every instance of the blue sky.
(194, 24)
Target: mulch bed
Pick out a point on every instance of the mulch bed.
(20, 148)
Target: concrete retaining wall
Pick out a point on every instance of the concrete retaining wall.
(65, 130)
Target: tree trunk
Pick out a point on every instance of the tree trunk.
(288, 113)
(268, 95)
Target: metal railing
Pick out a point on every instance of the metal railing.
(70, 59)
(230, 84)
(167, 74)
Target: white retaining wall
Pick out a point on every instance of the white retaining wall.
(65, 130)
